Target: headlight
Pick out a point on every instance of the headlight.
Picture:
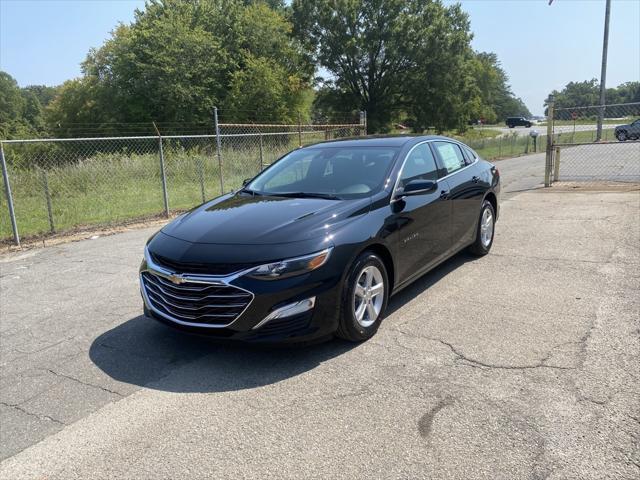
(290, 267)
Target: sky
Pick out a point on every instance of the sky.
(541, 47)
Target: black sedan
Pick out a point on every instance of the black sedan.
(315, 245)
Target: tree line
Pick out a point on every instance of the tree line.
(571, 100)
(405, 62)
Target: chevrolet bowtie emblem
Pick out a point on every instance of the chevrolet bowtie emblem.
(177, 279)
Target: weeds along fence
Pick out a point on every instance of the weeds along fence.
(509, 145)
(55, 185)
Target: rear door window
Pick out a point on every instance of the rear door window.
(469, 155)
(450, 156)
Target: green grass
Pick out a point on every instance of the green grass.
(584, 137)
(108, 189)
(475, 134)
(505, 146)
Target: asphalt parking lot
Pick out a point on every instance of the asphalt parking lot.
(523, 364)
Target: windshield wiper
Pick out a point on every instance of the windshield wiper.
(249, 191)
(326, 196)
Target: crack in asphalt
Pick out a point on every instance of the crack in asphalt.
(478, 363)
(32, 414)
(58, 374)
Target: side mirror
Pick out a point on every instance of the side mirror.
(245, 181)
(417, 187)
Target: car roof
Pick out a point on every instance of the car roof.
(379, 141)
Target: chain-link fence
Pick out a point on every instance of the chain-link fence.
(54, 185)
(587, 150)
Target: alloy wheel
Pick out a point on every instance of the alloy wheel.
(368, 296)
(486, 228)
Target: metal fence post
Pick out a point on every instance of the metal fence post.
(163, 175)
(47, 195)
(261, 155)
(7, 189)
(549, 156)
(200, 164)
(556, 165)
(218, 148)
(299, 130)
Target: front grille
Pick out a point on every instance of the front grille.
(198, 303)
(203, 268)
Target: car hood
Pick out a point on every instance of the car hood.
(243, 219)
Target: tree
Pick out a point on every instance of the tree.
(20, 109)
(11, 104)
(406, 59)
(372, 47)
(587, 94)
(180, 58)
(577, 94)
(628, 92)
(442, 91)
(498, 101)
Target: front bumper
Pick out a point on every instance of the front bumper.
(323, 284)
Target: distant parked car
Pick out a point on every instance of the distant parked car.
(630, 131)
(518, 122)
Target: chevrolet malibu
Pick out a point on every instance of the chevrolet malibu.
(315, 244)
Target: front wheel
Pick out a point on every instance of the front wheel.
(621, 135)
(364, 298)
(485, 231)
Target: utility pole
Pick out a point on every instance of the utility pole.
(603, 72)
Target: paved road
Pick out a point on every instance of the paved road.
(522, 364)
(542, 129)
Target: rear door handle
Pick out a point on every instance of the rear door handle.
(475, 179)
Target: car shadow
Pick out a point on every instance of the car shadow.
(144, 352)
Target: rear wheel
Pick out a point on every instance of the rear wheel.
(621, 135)
(364, 298)
(486, 229)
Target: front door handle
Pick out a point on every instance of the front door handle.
(444, 194)
(475, 179)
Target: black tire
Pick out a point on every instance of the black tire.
(622, 135)
(478, 247)
(528, 125)
(511, 126)
(348, 327)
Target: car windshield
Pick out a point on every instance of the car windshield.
(326, 172)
